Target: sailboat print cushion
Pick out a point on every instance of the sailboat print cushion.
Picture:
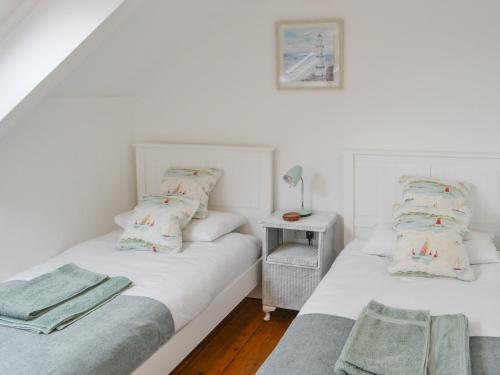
(431, 226)
(191, 183)
(434, 192)
(420, 218)
(157, 223)
(431, 253)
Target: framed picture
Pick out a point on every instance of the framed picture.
(310, 54)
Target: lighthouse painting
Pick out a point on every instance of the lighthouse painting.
(310, 54)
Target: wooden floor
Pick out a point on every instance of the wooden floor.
(240, 343)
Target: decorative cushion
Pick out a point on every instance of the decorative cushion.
(434, 192)
(480, 247)
(427, 218)
(431, 226)
(432, 253)
(157, 223)
(214, 226)
(191, 183)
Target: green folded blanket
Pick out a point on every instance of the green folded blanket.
(29, 299)
(391, 341)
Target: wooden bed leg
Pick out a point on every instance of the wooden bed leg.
(267, 311)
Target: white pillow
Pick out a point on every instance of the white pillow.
(122, 219)
(209, 229)
(216, 224)
(382, 242)
(480, 247)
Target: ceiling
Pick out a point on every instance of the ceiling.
(7, 7)
(11, 12)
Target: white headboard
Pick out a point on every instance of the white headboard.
(371, 185)
(245, 188)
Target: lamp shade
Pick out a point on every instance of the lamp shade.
(293, 176)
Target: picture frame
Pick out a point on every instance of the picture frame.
(310, 54)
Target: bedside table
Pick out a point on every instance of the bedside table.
(292, 268)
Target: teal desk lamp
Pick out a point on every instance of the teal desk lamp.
(292, 178)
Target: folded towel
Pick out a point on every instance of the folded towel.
(389, 341)
(449, 345)
(29, 299)
(69, 312)
(386, 341)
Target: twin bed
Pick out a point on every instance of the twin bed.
(176, 299)
(314, 341)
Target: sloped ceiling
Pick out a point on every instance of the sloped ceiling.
(7, 7)
(47, 41)
(12, 12)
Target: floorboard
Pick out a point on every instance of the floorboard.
(239, 344)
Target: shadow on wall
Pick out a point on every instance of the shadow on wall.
(66, 170)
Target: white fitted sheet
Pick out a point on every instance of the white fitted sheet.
(186, 283)
(356, 278)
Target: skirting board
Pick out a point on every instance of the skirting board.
(184, 341)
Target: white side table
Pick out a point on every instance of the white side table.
(292, 268)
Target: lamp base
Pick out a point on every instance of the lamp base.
(304, 212)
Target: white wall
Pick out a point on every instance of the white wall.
(418, 75)
(65, 171)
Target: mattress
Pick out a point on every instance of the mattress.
(356, 278)
(186, 283)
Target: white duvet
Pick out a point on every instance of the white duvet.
(186, 283)
(356, 278)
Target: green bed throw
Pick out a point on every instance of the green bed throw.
(389, 341)
(55, 300)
